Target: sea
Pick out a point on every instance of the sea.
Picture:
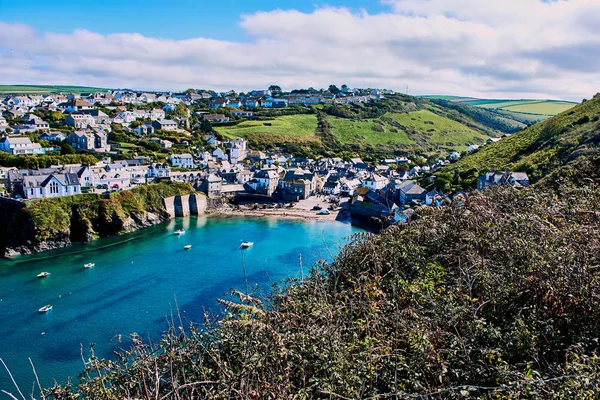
(138, 282)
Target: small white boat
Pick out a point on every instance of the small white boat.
(189, 246)
(45, 309)
(324, 212)
(43, 274)
(89, 265)
(245, 245)
(179, 232)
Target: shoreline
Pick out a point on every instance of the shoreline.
(278, 213)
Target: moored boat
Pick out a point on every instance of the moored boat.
(43, 274)
(179, 232)
(45, 309)
(189, 246)
(89, 265)
(245, 245)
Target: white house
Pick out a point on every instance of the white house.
(268, 179)
(183, 161)
(158, 171)
(19, 145)
(49, 186)
(375, 182)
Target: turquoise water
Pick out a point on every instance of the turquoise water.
(135, 284)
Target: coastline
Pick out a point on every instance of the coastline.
(293, 213)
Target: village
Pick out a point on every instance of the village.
(247, 180)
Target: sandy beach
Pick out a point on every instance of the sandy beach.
(301, 211)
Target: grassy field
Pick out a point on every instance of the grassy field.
(543, 108)
(45, 89)
(293, 126)
(419, 128)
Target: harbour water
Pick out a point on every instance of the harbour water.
(137, 281)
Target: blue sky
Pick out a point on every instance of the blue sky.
(176, 19)
(480, 48)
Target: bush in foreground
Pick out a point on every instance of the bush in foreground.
(494, 297)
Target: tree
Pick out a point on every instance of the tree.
(206, 126)
(275, 89)
(190, 91)
(334, 89)
(344, 87)
(181, 110)
(66, 148)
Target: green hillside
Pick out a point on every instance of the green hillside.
(518, 112)
(556, 145)
(46, 89)
(397, 124)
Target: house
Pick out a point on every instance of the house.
(245, 176)
(507, 178)
(236, 149)
(332, 186)
(219, 118)
(251, 103)
(99, 117)
(410, 191)
(218, 103)
(219, 154)
(183, 161)
(280, 103)
(242, 114)
(158, 170)
(375, 182)
(52, 136)
(156, 114)
(349, 186)
(299, 184)
(472, 147)
(164, 144)
(268, 180)
(49, 186)
(80, 121)
(367, 205)
(144, 130)
(165, 125)
(88, 140)
(19, 145)
(212, 186)
(114, 176)
(266, 103)
(37, 123)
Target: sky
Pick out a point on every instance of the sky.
(479, 48)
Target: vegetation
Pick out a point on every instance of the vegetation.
(556, 145)
(56, 216)
(45, 161)
(494, 297)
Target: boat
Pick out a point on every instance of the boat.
(89, 265)
(45, 309)
(43, 274)
(189, 246)
(179, 232)
(245, 245)
(324, 212)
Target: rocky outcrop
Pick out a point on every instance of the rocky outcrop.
(56, 223)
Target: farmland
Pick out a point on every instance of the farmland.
(46, 89)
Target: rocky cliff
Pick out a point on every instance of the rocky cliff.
(49, 224)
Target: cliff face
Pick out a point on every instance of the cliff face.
(55, 223)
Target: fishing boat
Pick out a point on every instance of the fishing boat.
(89, 265)
(45, 309)
(189, 246)
(179, 232)
(246, 245)
(43, 274)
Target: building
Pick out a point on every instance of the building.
(375, 182)
(507, 178)
(165, 125)
(87, 140)
(242, 114)
(19, 145)
(52, 136)
(268, 180)
(218, 118)
(49, 186)
(158, 170)
(410, 191)
(80, 121)
(183, 161)
(212, 186)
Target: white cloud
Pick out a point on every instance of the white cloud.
(485, 48)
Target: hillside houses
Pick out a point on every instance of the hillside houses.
(507, 178)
